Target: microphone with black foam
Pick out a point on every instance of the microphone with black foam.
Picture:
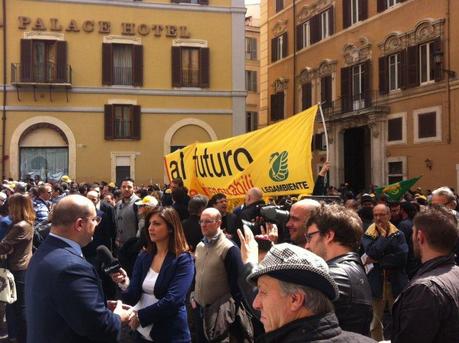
(110, 264)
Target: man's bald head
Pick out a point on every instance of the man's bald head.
(69, 209)
(299, 215)
(213, 213)
(307, 204)
(210, 222)
(253, 195)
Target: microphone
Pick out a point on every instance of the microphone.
(110, 264)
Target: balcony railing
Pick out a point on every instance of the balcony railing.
(368, 102)
(41, 73)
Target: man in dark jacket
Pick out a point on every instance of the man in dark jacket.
(229, 220)
(295, 294)
(334, 233)
(191, 226)
(407, 213)
(251, 210)
(427, 310)
(386, 249)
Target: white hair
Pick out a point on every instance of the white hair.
(446, 192)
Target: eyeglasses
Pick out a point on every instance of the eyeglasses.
(205, 222)
(309, 235)
(96, 219)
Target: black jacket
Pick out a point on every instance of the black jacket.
(250, 213)
(354, 305)
(192, 231)
(427, 310)
(323, 328)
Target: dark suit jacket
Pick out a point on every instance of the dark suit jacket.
(64, 298)
(102, 236)
(109, 211)
(169, 314)
(192, 231)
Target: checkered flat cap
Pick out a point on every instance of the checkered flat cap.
(294, 264)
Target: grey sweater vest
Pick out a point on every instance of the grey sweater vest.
(211, 277)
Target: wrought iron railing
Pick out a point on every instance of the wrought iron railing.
(41, 73)
(355, 103)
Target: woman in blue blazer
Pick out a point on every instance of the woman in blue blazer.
(160, 281)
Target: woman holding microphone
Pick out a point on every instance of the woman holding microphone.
(160, 281)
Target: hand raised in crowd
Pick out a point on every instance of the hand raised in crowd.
(249, 246)
(269, 231)
(325, 168)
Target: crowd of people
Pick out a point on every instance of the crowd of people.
(91, 260)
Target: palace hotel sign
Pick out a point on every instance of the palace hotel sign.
(104, 27)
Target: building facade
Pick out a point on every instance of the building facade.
(252, 67)
(385, 73)
(101, 90)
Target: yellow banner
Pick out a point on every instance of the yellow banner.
(277, 159)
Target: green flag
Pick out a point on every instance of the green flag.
(395, 191)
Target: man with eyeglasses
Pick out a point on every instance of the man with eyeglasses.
(65, 302)
(42, 204)
(387, 250)
(334, 233)
(218, 263)
(299, 215)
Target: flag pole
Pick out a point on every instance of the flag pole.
(325, 129)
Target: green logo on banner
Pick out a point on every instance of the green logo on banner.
(279, 166)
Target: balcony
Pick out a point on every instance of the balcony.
(350, 106)
(41, 75)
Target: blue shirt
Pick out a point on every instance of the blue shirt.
(41, 209)
(5, 224)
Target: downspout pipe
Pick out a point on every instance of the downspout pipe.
(448, 45)
(4, 89)
(294, 59)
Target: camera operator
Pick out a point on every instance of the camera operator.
(251, 210)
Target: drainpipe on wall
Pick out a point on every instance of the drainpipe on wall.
(448, 46)
(4, 89)
(294, 59)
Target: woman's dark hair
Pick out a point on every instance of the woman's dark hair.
(177, 240)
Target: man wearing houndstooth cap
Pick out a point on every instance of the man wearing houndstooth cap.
(295, 294)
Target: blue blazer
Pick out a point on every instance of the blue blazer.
(168, 315)
(64, 298)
